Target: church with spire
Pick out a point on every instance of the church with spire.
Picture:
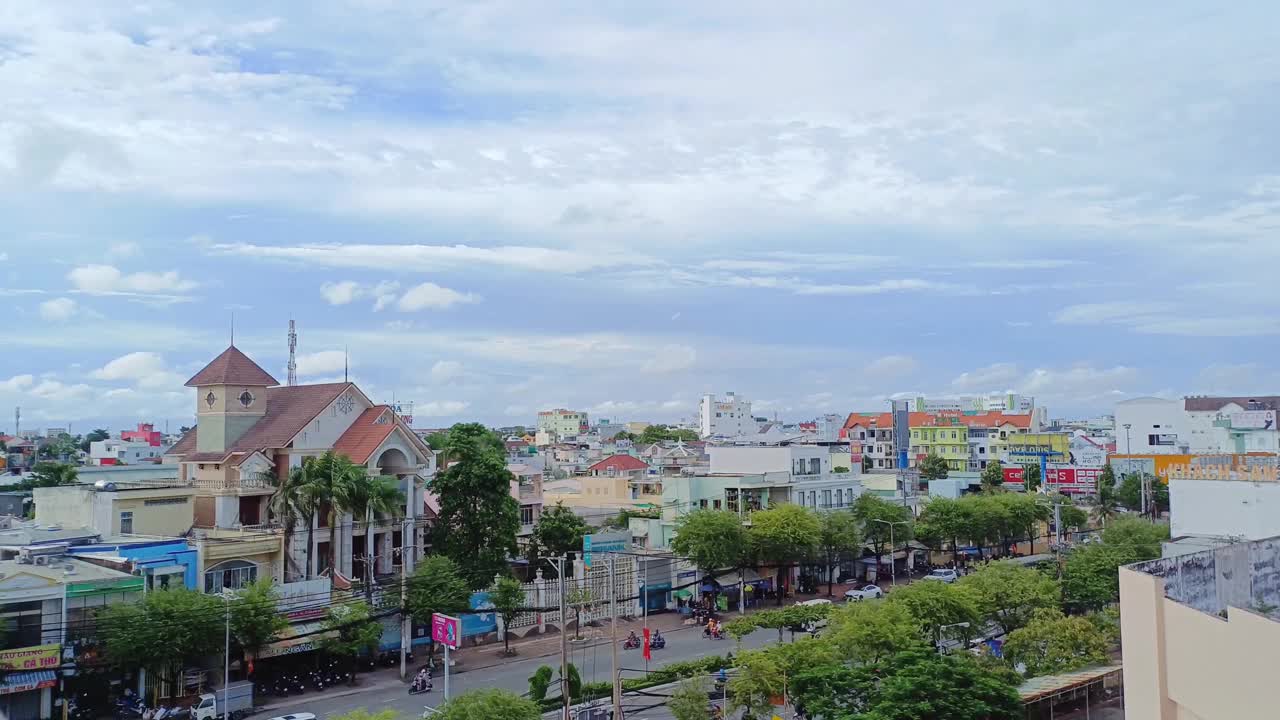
(251, 429)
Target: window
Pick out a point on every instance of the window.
(230, 575)
(826, 498)
(801, 497)
(526, 514)
(813, 498)
(702, 504)
(839, 498)
(246, 398)
(126, 523)
(715, 504)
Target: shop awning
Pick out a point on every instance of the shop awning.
(733, 578)
(682, 594)
(25, 681)
(303, 637)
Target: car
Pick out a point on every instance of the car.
(946, 575)
(865, 592)
(296, 716)
(813, 626)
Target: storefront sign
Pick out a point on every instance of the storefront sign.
(31, 658)
(446, 630)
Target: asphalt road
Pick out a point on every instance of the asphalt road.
(592, 657)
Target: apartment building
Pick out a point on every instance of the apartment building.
(966, 440)
(1198, 424)
(123, 452)
(725, 417)
(562, 423)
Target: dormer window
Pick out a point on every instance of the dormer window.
(246, 398)
(210, 399)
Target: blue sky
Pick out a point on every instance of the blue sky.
(504, 206)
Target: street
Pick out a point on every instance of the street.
(592, 658)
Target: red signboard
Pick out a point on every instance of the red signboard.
(1072, 480)
(1013, 476)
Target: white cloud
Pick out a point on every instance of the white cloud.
(876, 288)
(889, 367)
(145, 369)
(435, 258)
(18, 383)
(1025, 264)
(1109, 312)
(430, 296)
(992, 378)
(440, 408)
(1157, 318)
(340, 293)
(446, 370)
(58, 309)
(319, 363)
(109, 280)
(56, 391)
(384, 293)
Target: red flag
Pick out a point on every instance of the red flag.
(647, 656)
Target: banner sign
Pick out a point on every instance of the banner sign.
(1013, 476)
(605, 543)
(446, 630)
(1073, 480)
(31, 658)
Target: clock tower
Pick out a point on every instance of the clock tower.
(231, 397)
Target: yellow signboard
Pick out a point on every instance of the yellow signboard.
(43, 657)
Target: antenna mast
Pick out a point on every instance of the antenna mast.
(293, 352)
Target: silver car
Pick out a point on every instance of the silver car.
(946, 575)
(866, 592)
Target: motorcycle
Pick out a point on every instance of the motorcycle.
(657, 643)
(417, 688)
(631, 643)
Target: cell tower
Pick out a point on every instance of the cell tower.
(293, 351)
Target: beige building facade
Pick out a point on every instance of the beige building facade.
(118, 508)
(1200, 640)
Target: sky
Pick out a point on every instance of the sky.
(493, 207)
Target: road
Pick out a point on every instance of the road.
(592, 658)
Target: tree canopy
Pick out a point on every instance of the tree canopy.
(350, 630)
(934, 467)
(840, 538)
(507, 596)
(939, 608)
(1129, 493)
(1143, 538)
(163, 631)
(558, 531)
(490, 705)
(689, 700)
(927, 685)
(785, 536)
(1052, 643)
(1008, 594)
(478, 518)
(993, 476)
(874, 512)
(869, 632)
(437, 586)
(255, 619)
(713, 539)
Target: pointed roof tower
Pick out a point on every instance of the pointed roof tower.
(232, 367)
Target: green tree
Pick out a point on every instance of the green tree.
(1053, 643)
(255, 620)
(50, 474)
(942, 610)
(162, 632)
(713, 539)
(365, 496)
(559, 531)
(507, 596)
(326, 478)
(993, 477)
(874, 512)
(1071, 515)
(1008, 594)
(955, 687)
(540, 683)
(288, 505)
(785, 536)
(839, 470)
(1143, 538)
(478, 518)
(840, 538)
(350, 630)
(946, 519)
(437, 586)
(579, 600)
(95, 435)
(663, 433)
(759, 679)
(1107, 500)
(1129, 494)
(869, 632)
(489, 705)
(1031, 479)
(933, 467)
(835, 691)
(1090, 576)
(689, 701)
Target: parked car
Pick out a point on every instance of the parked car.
(865, 592)
(946, 575)
(813, 626)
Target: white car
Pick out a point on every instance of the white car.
(818, 625)
(866, 592)
(296, 716)
(946, 575)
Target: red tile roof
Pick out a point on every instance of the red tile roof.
(365, 435)
(620, 462)
(185, 444)
(232, 367)
(993, 418)
(289, 409)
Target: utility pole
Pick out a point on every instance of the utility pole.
(564, 641)
(613, 615)
(408, 541)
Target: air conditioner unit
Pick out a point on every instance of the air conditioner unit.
(42, 559)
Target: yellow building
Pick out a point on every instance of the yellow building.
(1199, 642)
(119, 508)
(1026, 448)
(946, 437)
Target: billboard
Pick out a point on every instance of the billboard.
(901, 431)
(1253, 420)
(619, 541)
(446, 630)
(31, 658)
(1071, 480)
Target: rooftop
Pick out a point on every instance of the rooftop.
(232, 367)
(43, 534)
(82, 571)
(1242, 575)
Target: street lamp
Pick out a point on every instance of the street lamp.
(893, 565)
(943, 629)
(226, 663)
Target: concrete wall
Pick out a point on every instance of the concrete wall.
(1144, 414)
(748, 459)
(1224, 508)
(154, 512)
(1184, 664)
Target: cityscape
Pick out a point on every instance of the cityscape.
(498, 360)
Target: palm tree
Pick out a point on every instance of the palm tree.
(290, 503)
(363, 496)
(327, 481)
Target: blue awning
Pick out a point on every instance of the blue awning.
(24, 681)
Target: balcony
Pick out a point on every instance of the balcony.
(254, 485)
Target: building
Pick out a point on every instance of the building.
(526, 488)
(1197, 425)
(249, 430)
(617, 482)
(1211, 504)
(1009, 403)
(967, 440)
(123, 452)
(727, 417)
(112, 508)
(1200, 634)
(145, 433)
(561, 423)
(161, 562)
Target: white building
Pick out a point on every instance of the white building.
(561, 423)
(806, 469)
(123, 452)
(725, 418)
(1148, 425)
(1197, 424)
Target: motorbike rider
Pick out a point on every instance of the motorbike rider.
(632, 640)
(421, 679)
(657, 639)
